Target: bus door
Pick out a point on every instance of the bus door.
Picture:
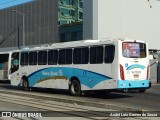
(14, 62)
(4, 66)
(134, 63)
(14, 66)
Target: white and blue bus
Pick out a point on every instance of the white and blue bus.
(83, 65)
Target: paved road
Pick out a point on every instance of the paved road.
(149, 100)
(146, 101)
(16, 107)
(10, 111)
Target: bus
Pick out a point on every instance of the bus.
(85, 65)
(5, 65)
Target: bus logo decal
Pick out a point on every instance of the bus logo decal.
(84, 73)
(126, 65)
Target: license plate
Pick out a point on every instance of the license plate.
(136, 72)
(136, 76)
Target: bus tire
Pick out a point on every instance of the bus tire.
(75, 88)
(25, 84)
(126, 90)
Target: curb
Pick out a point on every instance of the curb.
(76, 102)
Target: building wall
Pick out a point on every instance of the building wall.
(70, 19)
(41, 24)
(44, 19)
(133, 19)
(88, 32)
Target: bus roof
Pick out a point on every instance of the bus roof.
(81, 43)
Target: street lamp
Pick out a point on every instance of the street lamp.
(23, 14)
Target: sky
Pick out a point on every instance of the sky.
(10, 3)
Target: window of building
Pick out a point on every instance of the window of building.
(80, 15)
(72, 12)
(81, 3)
(72, 2)
(70, 19)
(64, 11)
(33, 58)
(73, 35)
(42, 57)
(109, 53)
(96, 55)
(52, 57)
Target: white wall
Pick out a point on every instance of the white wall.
(123, 18)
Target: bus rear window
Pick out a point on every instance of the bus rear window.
(134, 50)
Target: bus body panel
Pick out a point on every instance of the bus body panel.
(101, 76)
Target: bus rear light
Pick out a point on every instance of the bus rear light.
(147, 76)
(122, 72)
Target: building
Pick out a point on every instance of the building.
(135, 19)
(70, 19)
(36, 22)
(50, 21)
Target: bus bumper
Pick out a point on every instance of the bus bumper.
(122, 84)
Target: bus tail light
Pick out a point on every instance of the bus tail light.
(147, 77)
(122, 72)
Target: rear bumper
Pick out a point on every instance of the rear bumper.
(144, 84)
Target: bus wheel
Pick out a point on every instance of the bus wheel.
(25, 85)
(126, 90)
(75, 88)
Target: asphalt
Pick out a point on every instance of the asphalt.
(72, 99)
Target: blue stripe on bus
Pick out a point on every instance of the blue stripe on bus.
(83, 75)
(136, 66)
(133, 84)
(10, 3)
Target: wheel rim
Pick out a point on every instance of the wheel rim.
(25, 84)
(126, 90)
(74, 88)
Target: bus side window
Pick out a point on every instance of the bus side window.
(52, 57)
(24, 58)
(85, 55)
(42, 57)
(96, 55)
(109, 53)
(77, 56)
(81, 55)
(14, 62)
(33, 58)
(65, 56)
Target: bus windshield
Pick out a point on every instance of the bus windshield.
(134, 50)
